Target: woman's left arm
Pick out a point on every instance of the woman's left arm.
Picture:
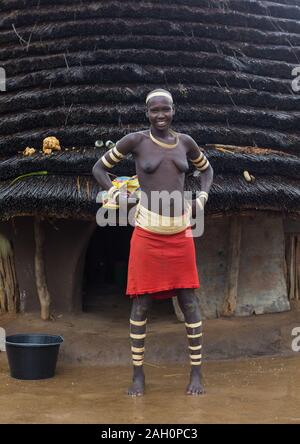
(202, 164)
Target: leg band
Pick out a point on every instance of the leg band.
(195, 347)
(198, 324)
(134, 336)
(138, 349)
(137, 335)
(138, 323)
(198, 335)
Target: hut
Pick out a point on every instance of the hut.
(80, 71)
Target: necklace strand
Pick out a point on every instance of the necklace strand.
(165, 145)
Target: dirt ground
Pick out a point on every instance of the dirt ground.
(251, 374)
(102, 338)
(264, 390)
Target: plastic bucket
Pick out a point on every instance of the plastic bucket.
(32, 356)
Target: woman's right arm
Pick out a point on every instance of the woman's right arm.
(100, 170)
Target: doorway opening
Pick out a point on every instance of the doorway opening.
(105, 275)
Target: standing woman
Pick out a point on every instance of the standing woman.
(162, 259)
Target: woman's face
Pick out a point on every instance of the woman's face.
(160, 112)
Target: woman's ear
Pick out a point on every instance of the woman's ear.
(173, 110)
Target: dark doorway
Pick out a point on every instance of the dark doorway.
(105, 274)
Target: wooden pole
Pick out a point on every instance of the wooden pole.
(40, 271)
(9, 292)
(230, 300)
(292, 269)
(293, 266)
(288, 246)
(297, 268)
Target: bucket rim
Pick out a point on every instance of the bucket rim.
(8, 338)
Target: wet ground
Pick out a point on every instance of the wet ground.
(260, 390)
(102, 338)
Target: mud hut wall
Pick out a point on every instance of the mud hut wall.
(65, 247)
(212, 257)
(261, 281)
(291, 226)
(292, 256)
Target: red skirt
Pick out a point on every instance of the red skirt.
(160, 263)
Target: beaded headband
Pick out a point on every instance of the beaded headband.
(159, 94)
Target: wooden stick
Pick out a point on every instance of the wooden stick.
(288, 261)
(10, 287)
(3, 307)
(292, 268)
(9, 295)
(40, 271)
(15, 280)
(297, 267)
(230, 300)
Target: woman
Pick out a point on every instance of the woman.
(162, 259)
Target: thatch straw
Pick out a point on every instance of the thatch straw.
(81, 161)
(73, 197)
(211, 133)
(135, 114)
(71, 44)
(80, 71)
(72, 162)
(231, 192)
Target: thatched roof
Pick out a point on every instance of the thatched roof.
(70, 196)
(80, 71)
(68, 190)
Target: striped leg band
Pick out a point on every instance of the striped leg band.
(137, 335)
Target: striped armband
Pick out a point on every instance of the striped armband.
(203, 195)
(112, 157)
(201, 163)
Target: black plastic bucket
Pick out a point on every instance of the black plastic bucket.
(32, 356)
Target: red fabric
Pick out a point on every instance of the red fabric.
(160, 263)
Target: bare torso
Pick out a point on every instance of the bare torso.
(159, 168)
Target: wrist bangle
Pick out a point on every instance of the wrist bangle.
(204, 195)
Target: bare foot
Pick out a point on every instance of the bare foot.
(138, 385)
(195, 386)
